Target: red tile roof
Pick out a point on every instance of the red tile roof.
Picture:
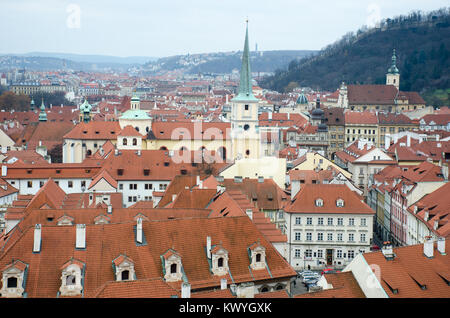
(305, 200)
(104, 243)
(410, 269)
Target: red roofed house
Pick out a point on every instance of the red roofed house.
(194, 254)
(327, 226)
(416, 271)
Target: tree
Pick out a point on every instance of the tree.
(10, 101)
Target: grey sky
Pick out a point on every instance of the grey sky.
(170, 27)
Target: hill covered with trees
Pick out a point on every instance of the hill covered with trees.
(422, 44)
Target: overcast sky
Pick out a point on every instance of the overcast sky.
(160, 28)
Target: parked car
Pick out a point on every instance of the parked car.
(314, 276)
(328, 270)
(306, 272)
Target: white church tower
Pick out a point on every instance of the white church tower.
(244, 113)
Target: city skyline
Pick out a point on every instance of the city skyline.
(175, 27)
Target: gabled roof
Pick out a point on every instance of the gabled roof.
(305, 200)
(371, 94)
(103, 174)
(412, 274)
(105, 242)
(95, 130)
(129, 131)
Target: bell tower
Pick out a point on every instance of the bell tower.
(244, 112)
(393, 75)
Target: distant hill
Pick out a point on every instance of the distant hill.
(226, 62)
(422, 43)
(41, 61)
(102, 59)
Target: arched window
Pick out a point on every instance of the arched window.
(163, 148)
(124, 141)
(147, 129)
(137, 128)
(134, 142)
(125, 275)
(220, 262)
(222, 153)
(173, 268)
(12, 282)
(89, 152)
(70, 280)
(246, 127)
(264, 289)
(247, 152)
(258, 257)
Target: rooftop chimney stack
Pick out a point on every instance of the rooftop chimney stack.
(249, 213)
(139, 230)
(208, 246)
(223, 283)
(37, 239)
(80, 236)
(109, 211)
(388, 251)
(4, 171)
(428, 247)
(441, 245)
(185, 290)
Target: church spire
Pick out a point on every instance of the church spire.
(42, 114)
(245, 92)
(393, 69)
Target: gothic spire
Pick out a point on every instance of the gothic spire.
(245, 92)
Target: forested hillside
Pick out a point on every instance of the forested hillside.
(422, 43)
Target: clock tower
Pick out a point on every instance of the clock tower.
(245, 134)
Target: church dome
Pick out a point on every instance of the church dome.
(302, 99)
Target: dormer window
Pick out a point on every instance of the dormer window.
(257, 256)
(319, 202)
(124, 268)
(71, 278)
(219, 260)
(124, 141)
(172, 266)
(13, 279)
(65, 220)
(340, 203)
(101, 219)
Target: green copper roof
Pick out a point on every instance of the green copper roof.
(135, 114)
(302, 99)
(135, 98)
(85, 107)
(393, 69)
(245, 84)
(42, 114)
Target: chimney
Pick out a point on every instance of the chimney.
(37, 239)
(249, 213)
(428, 247)
(139, 231)
(185, 290)
(388, 251)
(425, 217)
(238, 179)
(441, 245)
(408, 141)
(80, 236)
(208, 247)
(109, 211)
(261, 179)
(4, 171)
(223, 283)
(435, 225)
(174, 196)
